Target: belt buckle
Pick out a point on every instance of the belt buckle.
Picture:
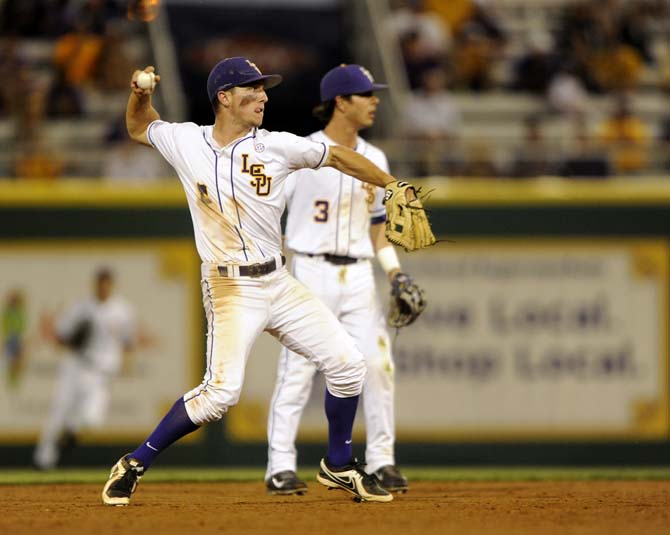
(255, 270)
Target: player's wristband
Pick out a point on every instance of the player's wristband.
(388, 258)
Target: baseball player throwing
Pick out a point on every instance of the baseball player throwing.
(97, 331)
(335, 226)
(233, 174)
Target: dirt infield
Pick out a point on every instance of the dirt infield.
(575, 507)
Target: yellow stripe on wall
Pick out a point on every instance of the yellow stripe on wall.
(91, 193)
(544, 191)
(444, 192)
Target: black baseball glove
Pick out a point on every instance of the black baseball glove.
(407, 301)
(80, 335)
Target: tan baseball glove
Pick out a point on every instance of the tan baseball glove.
(406, 221)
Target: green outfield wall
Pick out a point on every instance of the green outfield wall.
(545, 340)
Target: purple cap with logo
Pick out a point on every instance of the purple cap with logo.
(233, 72)
(347, 80)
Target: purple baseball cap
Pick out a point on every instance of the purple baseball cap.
(347, 80)
(233, 72)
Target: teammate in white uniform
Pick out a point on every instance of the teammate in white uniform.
(104, 325)
(335, 226)
(233, 174)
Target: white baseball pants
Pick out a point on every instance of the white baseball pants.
(239, 309)
(349, 291)
(81, 400)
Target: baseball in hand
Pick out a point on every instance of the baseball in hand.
(146, 80)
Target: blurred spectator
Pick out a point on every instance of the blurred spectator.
(115, 65)
(473, 58)
(431, 117)
(63, 100)
(634, 26)
(416, 63)
(664, 142)
(479, 163)
(454, 13)
(127, 161)
(566, 93)
(37, 18)
(484, 14)
(599, 37)
(142, 10)
(13, 330)
(626, 136)
(617, 68)
(96, 14)
(412, 16)
(586, 159)
(478, 39)
(535, 69)
(32, 156)
(424, 39)
(11, 67)
(24, 17)
(574, 29)
(34, 160)
(430, 113)
(27, 105)
(61, 15)
(479, 43)
(77, 53)
(532, 158)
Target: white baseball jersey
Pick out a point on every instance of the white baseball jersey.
(112, 330)
(330, 212)
(235, 193)
(236, 198)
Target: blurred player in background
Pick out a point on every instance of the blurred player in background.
(233, 174)
(99, 333)
(335, 226)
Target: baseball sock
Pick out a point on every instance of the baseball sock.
(341, 413)
(172, 427)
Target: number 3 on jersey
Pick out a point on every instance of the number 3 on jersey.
(321, 215)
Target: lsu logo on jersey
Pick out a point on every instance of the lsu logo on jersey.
(260, 180)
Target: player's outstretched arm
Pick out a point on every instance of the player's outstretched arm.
(139, 112)
(406, 221)
(353, 164)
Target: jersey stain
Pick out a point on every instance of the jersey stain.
(342, 275)
(218, 225)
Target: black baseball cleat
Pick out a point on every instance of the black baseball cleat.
(122, 481)
(285, 483)
(353, 479)
(391, 479)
